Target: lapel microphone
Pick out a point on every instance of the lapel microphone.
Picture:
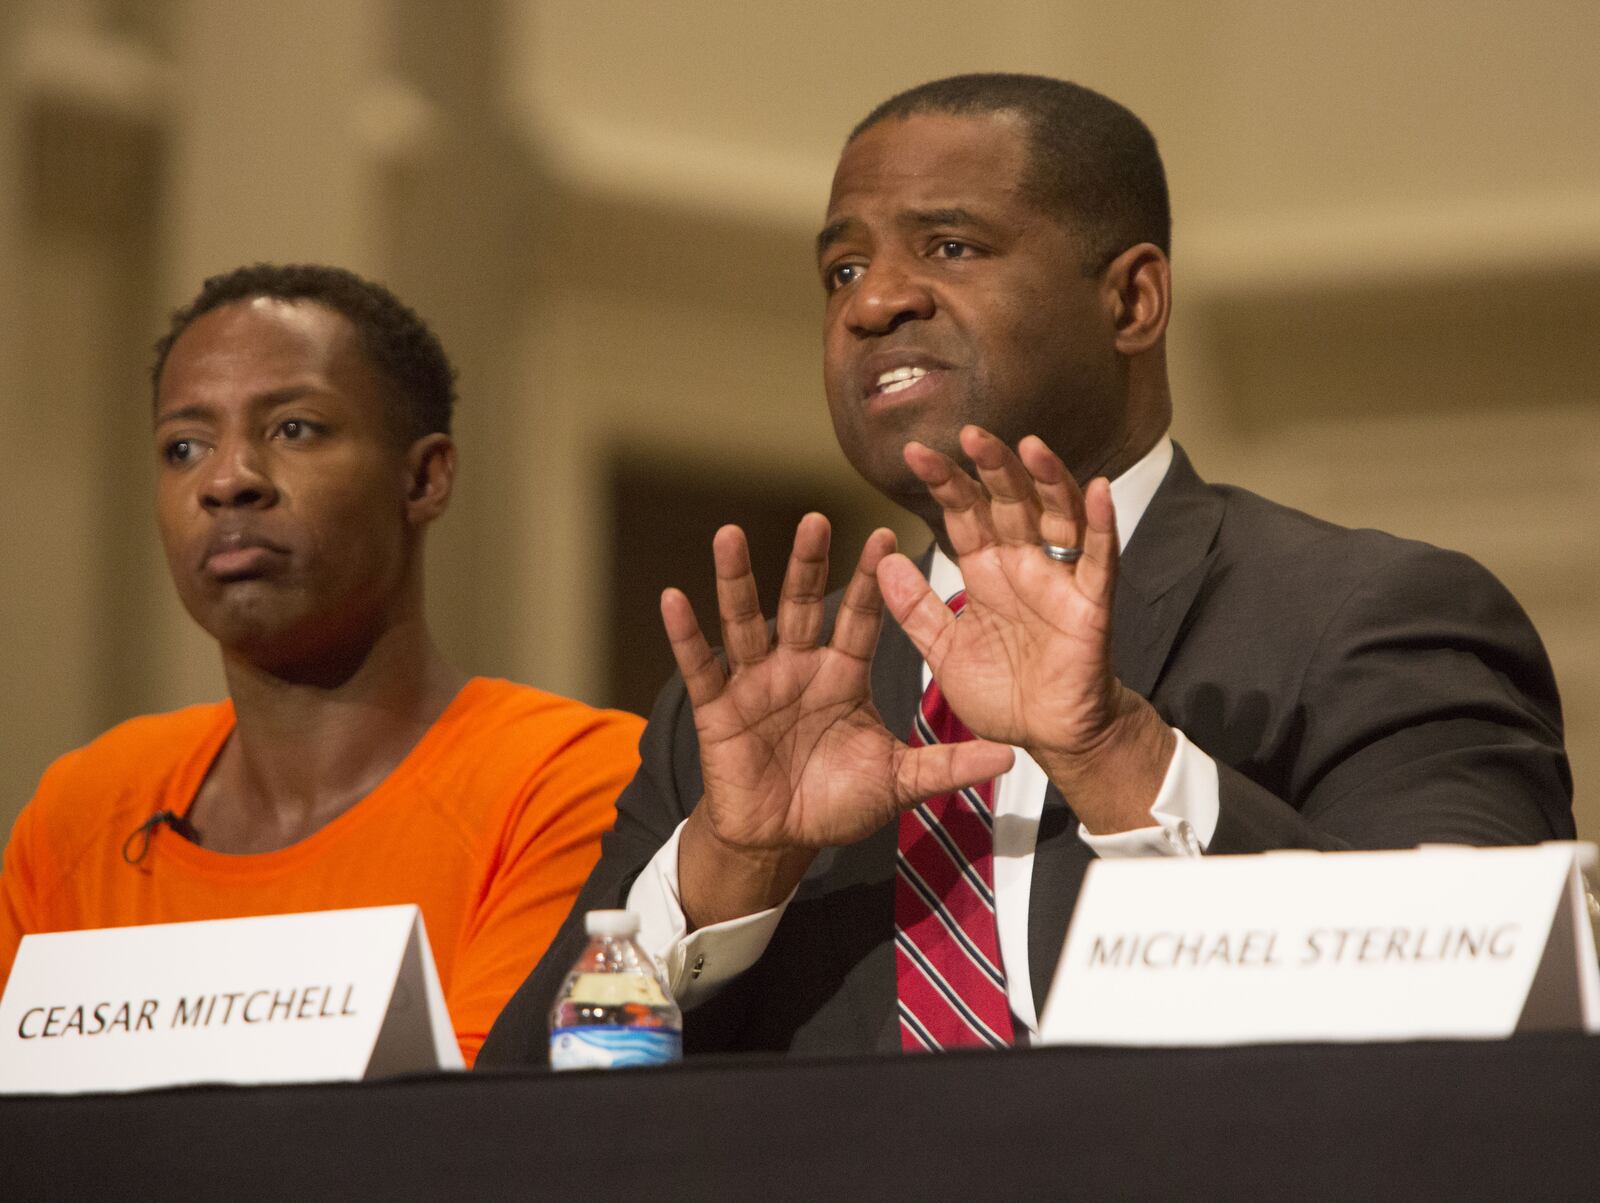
(146, 831)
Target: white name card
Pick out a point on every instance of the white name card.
(1433, 943)
(281, 998)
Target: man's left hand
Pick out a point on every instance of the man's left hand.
(1028, 662)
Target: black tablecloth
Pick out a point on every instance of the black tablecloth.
(1505, 1120)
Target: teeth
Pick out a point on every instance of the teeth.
(900, 378)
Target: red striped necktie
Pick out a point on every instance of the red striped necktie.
(952, 986)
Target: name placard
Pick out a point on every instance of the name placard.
(1343, 946)
(322, 996)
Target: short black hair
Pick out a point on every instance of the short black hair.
(1093, 162)
(398, 342)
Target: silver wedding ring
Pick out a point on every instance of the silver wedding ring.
(1061, 555)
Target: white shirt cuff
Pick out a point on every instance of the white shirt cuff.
(1185, 811)
(694, 965)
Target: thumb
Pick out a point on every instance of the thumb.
(915, 606)
(943, 768)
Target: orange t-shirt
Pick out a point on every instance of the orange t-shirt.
(490, 825)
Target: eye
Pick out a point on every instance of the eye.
(297, 430)
(950, 248)
(840, 274)
(179, 452)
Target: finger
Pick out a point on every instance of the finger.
(1014, 505)
(1097, 570)
(916, 607)
(855, 630)
(943, 768)
(744, 630)
(1062, 520)
(966, 508)
(804, 583)
(702, 672)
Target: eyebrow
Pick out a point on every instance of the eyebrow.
(200, 411)
(920, 219)
(831, 234)
(915, 219)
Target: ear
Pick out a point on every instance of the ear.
(430, 475)
(1137, 289)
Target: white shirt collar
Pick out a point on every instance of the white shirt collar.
(1130, 496)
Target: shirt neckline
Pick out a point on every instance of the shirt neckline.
(186, 785)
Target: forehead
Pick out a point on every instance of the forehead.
(932, 160)
(260, 344)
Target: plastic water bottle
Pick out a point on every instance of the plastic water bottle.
(613, 1009)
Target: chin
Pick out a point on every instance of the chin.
(905, 491)
(254, 637)
(885, 470)
(246, 620)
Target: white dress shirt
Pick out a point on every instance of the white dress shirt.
(1184, 813)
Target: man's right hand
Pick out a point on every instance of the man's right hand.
(792, 752)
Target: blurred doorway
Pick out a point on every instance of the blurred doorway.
(664, 513)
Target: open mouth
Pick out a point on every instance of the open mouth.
(898, 380)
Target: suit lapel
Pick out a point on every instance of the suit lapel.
(1162, 569)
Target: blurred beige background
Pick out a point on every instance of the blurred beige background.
(1387, 261)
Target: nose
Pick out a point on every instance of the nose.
(237, 478)
(889, 294)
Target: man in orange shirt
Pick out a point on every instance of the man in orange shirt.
(302, 423)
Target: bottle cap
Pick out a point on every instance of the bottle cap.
(611, 923)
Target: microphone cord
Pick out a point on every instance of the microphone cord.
(146, 831)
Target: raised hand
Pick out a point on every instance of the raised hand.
(793, 754)
(792, 751)
(1029, 660)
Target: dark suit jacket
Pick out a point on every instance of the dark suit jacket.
(1356, 691)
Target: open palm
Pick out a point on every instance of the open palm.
(792, 751)
(1028, 661)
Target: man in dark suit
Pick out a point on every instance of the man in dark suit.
(1243, 677)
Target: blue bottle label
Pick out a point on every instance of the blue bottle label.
(606, 1047)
